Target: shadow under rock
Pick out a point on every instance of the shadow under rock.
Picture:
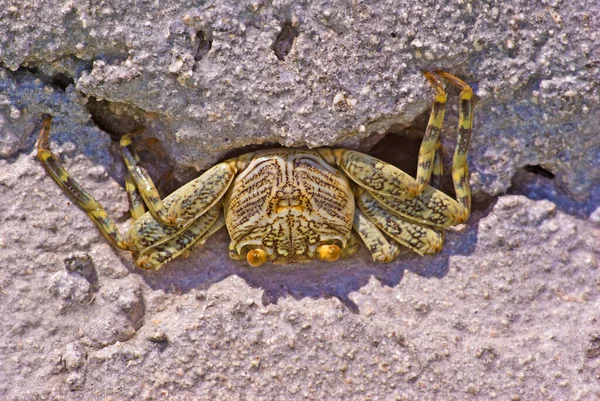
(537, 183)
(210, 264)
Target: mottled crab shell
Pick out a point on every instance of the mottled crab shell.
(289, 202)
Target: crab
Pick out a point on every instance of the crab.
(292, 205)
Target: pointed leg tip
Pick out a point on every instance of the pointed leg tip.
(44, 137)
(415, 190)
(46, 122)
(454, 80)
(125, 140)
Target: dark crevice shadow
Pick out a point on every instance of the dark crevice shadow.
(539, 170)
(62, 80)
(204, 40)
(30, 68)
(118, 119)
(58, 80)
(285, 40)
(538, 183)
(250, 148)
(114, 119)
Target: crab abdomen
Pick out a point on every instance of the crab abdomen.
(288, 202)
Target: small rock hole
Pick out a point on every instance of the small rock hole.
(30, 68)
(537, 183)
(84, 266)
(285, 40)
(62, 80)
(539, 170)
(118, 119)
(114, 124)
(400, 147)
(204, 45)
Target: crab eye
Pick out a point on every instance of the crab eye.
(256, 257)
(329, 253)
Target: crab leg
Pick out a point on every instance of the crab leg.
(371, 173)
(136, 202)
(79, 195)
(220, 223)
(438, 168)
(432, 208)
(187, 203)
(421, 239)
(198, 231)
(143, 182)
(460, 171)
(436, 179)
(352, 246)
(197, 196)
(430, 145)
(381, 249)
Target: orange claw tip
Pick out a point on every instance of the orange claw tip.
(453, 80)
(431, 77)
(144, 263)
(382, 259)
(414, 190)
(256, 257)
(428, 74)
(130, 243)
(329, 253)
(173, 220)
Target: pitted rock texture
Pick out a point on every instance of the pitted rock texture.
(508, 309)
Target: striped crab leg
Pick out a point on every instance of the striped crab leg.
(80, 196)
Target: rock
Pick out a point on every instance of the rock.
(204, 81)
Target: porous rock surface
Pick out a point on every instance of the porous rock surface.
(509, 308)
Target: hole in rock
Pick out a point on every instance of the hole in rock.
(204, 45)
(285, 40)
(29, 68)
(538, 183)
(113, 118)
(62, 80)
(117, 119)
(539, 170)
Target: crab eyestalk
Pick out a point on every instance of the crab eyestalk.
(256, 257)
(328, 253)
